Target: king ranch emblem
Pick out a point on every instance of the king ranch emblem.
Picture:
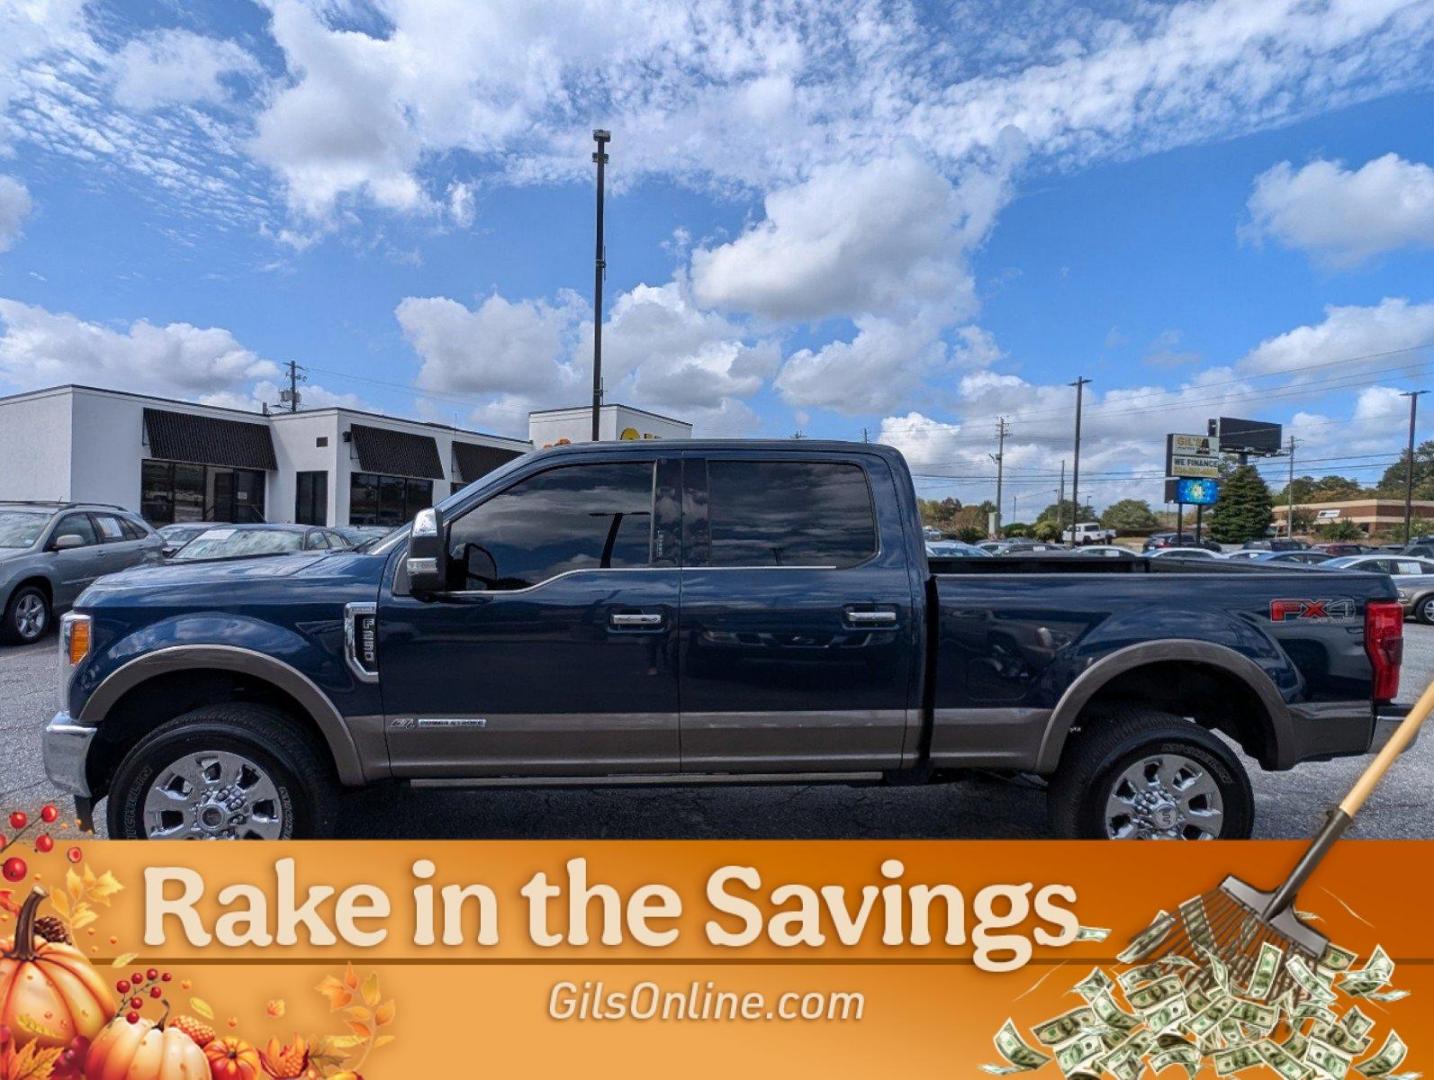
(1337, 609)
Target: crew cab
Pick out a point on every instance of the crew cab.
(707, 610)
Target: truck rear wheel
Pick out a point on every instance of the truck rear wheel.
(222, 772)
(1142, 774)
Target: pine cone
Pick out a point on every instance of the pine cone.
(52, 929)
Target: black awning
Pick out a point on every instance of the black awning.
(207, 440)
(396, 453)
(474, 460)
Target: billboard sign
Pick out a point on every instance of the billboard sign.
(1194, 491)
(1236, 436)
(1192, 455)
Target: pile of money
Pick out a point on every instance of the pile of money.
(1299, 1018)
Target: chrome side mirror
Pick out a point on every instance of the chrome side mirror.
(427, 562)
(67, 542)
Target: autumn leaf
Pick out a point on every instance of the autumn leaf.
(202, 1007)
(276, 1008)
(363, 1031)
(33, 1063)
(384, 1014)
(359, 1013)
(341, 1042)
(351, 979)
(337, 993)
(84, 915)
(371, 994)
(383, 1040)
(74, 885)
(123, 960)
(103, 888)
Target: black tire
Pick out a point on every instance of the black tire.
(302, 774)
(1094, 759)
(1424, 610)
(14, 630)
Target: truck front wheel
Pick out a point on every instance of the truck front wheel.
(1142, 774)
(222, 772)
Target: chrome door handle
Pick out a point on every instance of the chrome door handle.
(871, 618)
(627, 621)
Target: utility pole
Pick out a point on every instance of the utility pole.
(289, 399)
(1061, 502)
(1002, 428)
(1413, 396)
(599, 272)
(1290, 493)
(1079, 385)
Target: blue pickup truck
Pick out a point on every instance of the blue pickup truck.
(699, 611)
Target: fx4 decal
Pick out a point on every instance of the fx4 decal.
(1303, 610)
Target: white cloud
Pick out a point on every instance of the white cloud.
(874, 371)
(14, 208)
(1343, 216)
(462, 200)
(500, 347)
(42, 348)
(886, 239)
(171, 67)
(266, 392)
(1383, 336)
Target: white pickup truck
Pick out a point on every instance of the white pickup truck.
(1088, 532)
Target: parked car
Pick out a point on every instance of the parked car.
(249, 541)
(1413, 578)
(358, 535)
(1418, 550)
(1306, 558)
(954, 549)
(1169, 539)
(1343, 547)
(1020, 547)
(1275, 544)
(1087, 532)
(1182, 553)
(596, 612)
(50, 552)
(1106, 551)
(180, 533)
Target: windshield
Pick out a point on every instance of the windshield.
(239, 543)
(21, 528)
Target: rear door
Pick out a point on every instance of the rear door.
(121, 548)
(798, 636)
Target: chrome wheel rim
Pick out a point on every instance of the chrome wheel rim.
(1164, 797)
(30, 616)
(1429, 610)
(213, 795)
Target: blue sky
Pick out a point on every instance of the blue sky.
(907, 220)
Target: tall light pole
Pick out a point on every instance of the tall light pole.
(599, 272)
(1079, 385)
(1413, 396)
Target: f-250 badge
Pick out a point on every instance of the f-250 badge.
(1295, 610)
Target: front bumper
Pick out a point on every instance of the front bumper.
(66, 747)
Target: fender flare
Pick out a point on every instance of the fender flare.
(293, 682)
(1092, 679)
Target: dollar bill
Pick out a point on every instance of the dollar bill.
(1313, 1010)
(1092, 933)
(1067, 1026)
(1168, 1015)
(1112, 1015)
(1267, 966)
(1094, 984)
(1335, 958)
(1374, 975)
(1355, 1022)
(1340, 1037)
(1387, 995)
(1237, 1059)
(1208, 1019)
(1197, 922)
(1296, 1043)
(1219, 973)
(1257, 1015)
(1308, 981)
(1149, 939)
(1391, 1055)
(1085, 1048)
(1151, 996)
(1013, 1048)
(1329, 1060)
(1197, 998)
(1144, 973)
(1282, 1061)
(1187, 1056)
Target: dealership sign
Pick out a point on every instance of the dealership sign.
(1192, 455)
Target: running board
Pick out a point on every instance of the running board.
(652, 780)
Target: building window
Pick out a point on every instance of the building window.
(375, 499)
(322, 440)
(311, 498)
(172, 491)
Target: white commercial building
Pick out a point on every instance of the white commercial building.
(178, 461)
(557, 427)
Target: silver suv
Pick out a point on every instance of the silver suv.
(49, 553)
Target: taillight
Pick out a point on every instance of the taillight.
(1384, 644)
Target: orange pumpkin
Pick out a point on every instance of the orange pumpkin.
(49, 993)
(144, 1050)
(231, 1058)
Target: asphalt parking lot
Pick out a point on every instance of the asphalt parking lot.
(1289, 804)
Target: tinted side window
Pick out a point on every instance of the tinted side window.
(577, 517)
(789, 513)
(75, 525)
(133, 530)
(109, 528)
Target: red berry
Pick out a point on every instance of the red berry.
(74, 854)
(43, 844)
(152, 974)
(14, 869)
(19, 819)
(49, 814)
(136, 1003)
(165, 977)
(122, 986)
(155, 991)
(137, 978)
(132, 1017)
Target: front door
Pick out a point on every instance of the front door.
(799, 640)
(553, 651)
(79, 564)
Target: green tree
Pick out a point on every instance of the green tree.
(1129, 516)
(1322, 489)
(1342, 530)
(1062, 512)
(1243, 512)
(1392, 482)
(970, 524)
